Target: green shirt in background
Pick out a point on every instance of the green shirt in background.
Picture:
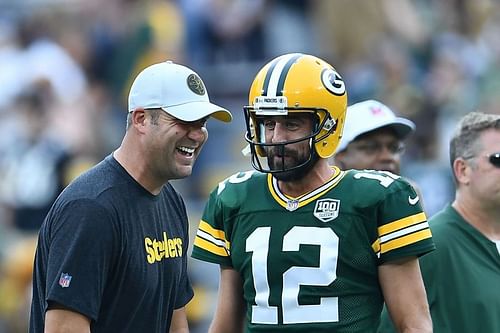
(462, 278)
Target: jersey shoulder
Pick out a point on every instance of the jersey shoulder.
(239, 187)
(376, 185)
(227, 199)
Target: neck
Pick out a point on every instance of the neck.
(135, 164)
(316, 177)
(476, 213)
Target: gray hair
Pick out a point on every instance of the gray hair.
(464, 142)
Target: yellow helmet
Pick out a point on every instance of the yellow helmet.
(297, 83)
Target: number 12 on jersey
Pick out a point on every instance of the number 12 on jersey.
(295, 277)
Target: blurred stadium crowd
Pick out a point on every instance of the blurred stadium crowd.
(66, 66)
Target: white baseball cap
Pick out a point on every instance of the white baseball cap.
(366, 116)
(177, 90)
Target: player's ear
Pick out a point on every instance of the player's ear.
(138, 118)
(462, 170)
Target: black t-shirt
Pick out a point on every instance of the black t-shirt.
(114, 252)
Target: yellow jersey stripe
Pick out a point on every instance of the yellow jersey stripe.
(402, 223)
(376, 245)
(406, 240)
(215, 233)
(210, 247)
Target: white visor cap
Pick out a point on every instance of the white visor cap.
(367, 116)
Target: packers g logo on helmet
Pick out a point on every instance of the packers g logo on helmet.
(333, 82)
(295, 83)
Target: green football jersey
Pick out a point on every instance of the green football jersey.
(309, 264)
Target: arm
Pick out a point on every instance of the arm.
(405, 296)
(64, 320)
(179, 322)
(230, 313)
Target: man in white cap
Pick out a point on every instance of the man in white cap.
(111, 254)
(373, 138)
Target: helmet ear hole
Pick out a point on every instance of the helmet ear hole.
(329, 137)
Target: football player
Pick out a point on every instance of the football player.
(304, 246)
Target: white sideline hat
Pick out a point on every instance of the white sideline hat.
(177, 90)
(366, 116)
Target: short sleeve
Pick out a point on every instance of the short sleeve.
(81, 252)
(212, 242)
(403, 228)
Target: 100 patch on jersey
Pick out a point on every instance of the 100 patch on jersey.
(327, 209)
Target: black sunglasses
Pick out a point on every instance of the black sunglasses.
(494, 159)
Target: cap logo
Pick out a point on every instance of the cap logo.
(195, 84)
(376, 110)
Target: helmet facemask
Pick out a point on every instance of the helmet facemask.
(260, 150)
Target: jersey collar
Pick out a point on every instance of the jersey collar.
(293, 203)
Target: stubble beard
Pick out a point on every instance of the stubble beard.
(275, 163)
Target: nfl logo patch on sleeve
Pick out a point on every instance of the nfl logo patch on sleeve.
(65, 280)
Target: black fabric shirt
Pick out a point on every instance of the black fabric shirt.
(113, 252)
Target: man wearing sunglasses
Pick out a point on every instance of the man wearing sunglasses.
(462, 276)
(373, 138)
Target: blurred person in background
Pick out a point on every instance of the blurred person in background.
(373, 138)
(245, 31)
(298, 250)
(461, 277)
(224, 31)
(34, 164)
(112, 252)
(15, 284)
